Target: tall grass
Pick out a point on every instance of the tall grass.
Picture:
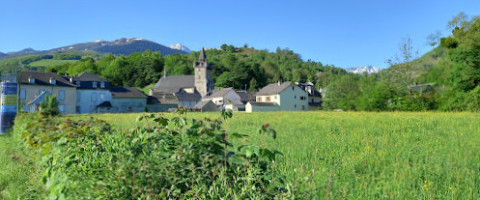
(19, 176)
(368, 155)
(331, 155)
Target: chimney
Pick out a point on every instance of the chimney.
(279, 83)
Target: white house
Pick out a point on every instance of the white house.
(93, 94)
(314, 96)
(279, 96)
(227, 98)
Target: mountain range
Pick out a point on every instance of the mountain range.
(180, 47)
(122, 46)
(365, 69)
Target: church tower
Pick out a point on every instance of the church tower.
(203, 83)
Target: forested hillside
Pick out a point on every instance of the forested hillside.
(452, 70)
(232, 67)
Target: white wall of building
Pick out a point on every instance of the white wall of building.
(291, 98)
(231, 96)
(87, 100)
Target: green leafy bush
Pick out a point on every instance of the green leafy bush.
(49, 106)
(161, 158)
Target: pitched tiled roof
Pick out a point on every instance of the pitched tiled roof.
(172, 84)
(311, 91)
(220, 93)
(182, 95)
(86, 76)
(202, 56)
(126, 92)
(273, 88)
(43, 78)
(201, 104)
(162, 99)
(247, 96)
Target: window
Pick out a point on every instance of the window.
(61, 108)
(302, 98)
(293, 88)
(61, 95)
(190, 104)
(267, 99)
(259, 99)
(274, 97)
(53, 81)
(77, 83)
(23, 93)
(102, 84)
(303, 107)
(94, 84)
(295, 97)
(295, 105)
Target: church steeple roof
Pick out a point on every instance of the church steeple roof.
(202, 56)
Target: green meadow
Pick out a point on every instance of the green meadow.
(367, 155)
(50, 62)
(334, 155)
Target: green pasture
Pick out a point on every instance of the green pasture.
(50, 62)
(366, 155)
(333, 155)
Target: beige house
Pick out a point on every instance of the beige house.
(34, 86)
(279, 96)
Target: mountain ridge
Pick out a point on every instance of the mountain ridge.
(121, 46)
(181, 47)
(360, 70)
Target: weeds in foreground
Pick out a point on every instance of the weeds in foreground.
(160, 158)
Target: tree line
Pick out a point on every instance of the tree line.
(451, 70)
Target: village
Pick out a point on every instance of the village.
(90, 93)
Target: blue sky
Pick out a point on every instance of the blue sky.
(346, 33)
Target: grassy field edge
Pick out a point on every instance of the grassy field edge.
(19, 171)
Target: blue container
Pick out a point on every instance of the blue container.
(9, 88)
(6, 121)
(8, 105)
(8, 109)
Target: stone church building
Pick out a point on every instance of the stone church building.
(187, 90)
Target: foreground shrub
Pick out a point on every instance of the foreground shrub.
(160, 158)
